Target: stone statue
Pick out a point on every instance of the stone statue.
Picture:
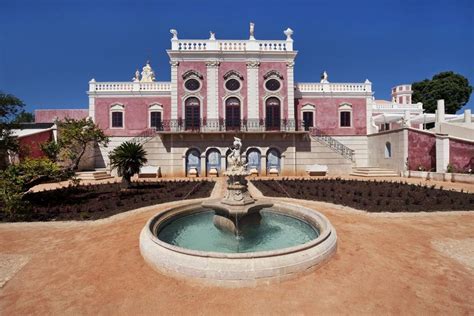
(175, 34)
(148, 75)
(324, 77)
(288, 32)
(137, 76)
(252, 30)
(234, 161)
(212, 36)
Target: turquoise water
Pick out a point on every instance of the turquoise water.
(276, 231)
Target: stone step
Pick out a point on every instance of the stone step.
(93, 175)
(373, 172)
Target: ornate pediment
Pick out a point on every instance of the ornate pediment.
(192, 73)
(233, 73)
(273, 73)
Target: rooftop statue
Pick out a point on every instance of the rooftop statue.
(324, 77)
(137, 76)
(252, 31)
(148, 75)
(175, 34)
(212, 36)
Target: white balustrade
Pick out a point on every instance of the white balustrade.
(334, 87)
(398, 106)
(231, 45)
(129, 86)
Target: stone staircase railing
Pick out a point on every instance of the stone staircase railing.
(144, 136)
(332, 143)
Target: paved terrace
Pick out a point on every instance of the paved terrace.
(385, 263)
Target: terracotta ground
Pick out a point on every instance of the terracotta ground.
(384, 264)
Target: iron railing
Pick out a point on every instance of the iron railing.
(222, 125)
(332, 143)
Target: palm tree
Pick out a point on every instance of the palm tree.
(128, 158)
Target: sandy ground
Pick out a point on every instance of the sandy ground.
(410, 264)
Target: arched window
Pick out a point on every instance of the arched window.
(193, 161)
(273, 160)
(192, 113)
(388, 150)
(272, 114)
(232, 114)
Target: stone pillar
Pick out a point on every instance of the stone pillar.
(467, 116)
(442, 152)
(212, 92)
(263, 165)
(203, 172)
(92, 88)
(440, 111)
(174, 89)
(252, 90)
(406, 119)
(291, 94)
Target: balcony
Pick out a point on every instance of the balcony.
(226, 126)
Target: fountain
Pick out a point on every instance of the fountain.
(237, 240)
(238, 208)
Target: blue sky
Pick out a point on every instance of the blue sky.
(49, 50)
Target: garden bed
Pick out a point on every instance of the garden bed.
(371, 196)
(90, 202)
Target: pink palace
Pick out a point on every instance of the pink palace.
(221, 89)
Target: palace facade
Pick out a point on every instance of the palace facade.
(221, 89)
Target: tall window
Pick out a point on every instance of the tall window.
(272, 114)
(155, 120)
(117, 119)
(232, 114)
(192, 113)
(345, 118)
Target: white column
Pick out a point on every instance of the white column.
(212, 90)
(467, 116)
(92, 99)
(174, 89)
(291, 91)
(252, 89)
(442, 152)
(440, 111)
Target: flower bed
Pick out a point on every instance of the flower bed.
(372, 196)
(90, 202)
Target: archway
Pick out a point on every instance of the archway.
(273, 160)
(253, 160)
(213, 160)
(193, 162)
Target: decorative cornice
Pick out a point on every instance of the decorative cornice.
(253, 64)
(192, 73)
(273, 73)
(212, 63)
(234, 73)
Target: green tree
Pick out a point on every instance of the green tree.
(9, 107)
(128, 158)
(24, 117)
(453, 88)
(76, 135)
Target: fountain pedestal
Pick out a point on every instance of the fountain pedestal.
(238, 208)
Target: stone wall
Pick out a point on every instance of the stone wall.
(388, 149)
(461, 154)
(421, 150)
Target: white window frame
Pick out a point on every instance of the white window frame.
(120, 108)
(308, 107)
(345, 107)
(155, 107)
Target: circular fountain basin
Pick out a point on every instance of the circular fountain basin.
(182, 241)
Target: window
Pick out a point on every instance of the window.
(192, 84)
(117, 119)
(232, 85)
(345, 118)
(388, 150)
(155, 120)
(192, 113)
(272, 113)
(232, 114)
(272, 85)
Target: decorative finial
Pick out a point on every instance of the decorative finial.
(324, 77)
(148, 75)
(175, 34)
(288, 32)
(137, 76)
(252, 31)
(212, 36)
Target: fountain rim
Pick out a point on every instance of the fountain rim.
(316, 220)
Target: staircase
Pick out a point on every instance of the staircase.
(373, 172)
(93, 175)
(144, 137)
(332, 143)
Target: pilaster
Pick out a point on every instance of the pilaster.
(174, 89)
(212, 89)
(252, 89)
(291, 91)
(442, 152)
